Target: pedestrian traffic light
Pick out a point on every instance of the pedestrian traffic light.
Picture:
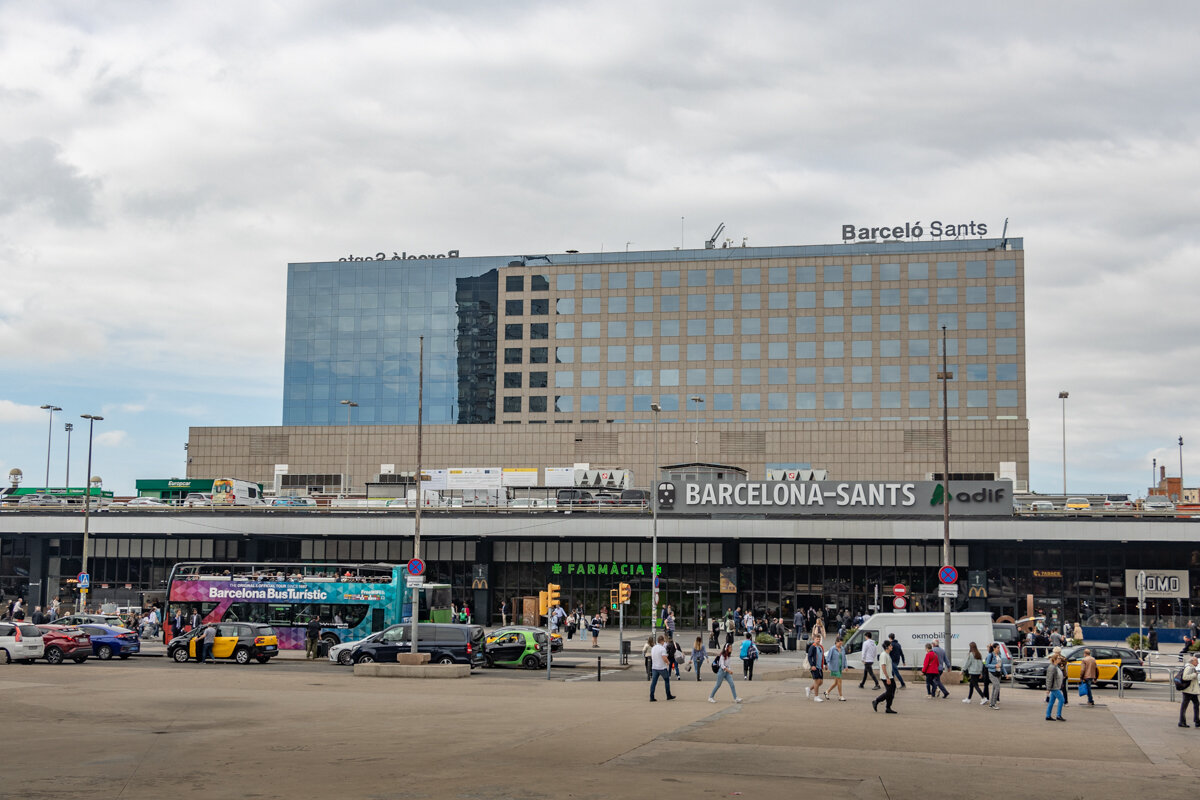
(544, 603)
(552, 596)
(624, 592)
(612, 599)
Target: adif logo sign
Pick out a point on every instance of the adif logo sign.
(981, 496)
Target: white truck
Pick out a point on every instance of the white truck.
(915, 629)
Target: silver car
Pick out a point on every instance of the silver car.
(21, 641)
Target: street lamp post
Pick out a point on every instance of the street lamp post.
(49, 434)
(68, 427)
(699, 401)
(87, 496)
(655, 408)
(1181, 469)
(416, 590)
(945, 376)
(349, 404)
(1063, 396)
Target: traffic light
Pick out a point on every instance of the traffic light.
(552, 597)
(544, 603)
(612, 599)
(624, 593)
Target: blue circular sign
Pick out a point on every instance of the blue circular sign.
(948, 574)
(416, 567)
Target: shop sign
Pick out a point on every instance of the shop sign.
(887, 498)
(1047, 573)
(602, 568)
(1171, 583)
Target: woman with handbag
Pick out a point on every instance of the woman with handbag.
(973, 667)
(721, 666)
(699, 655)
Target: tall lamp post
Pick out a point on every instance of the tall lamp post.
(87, 496)
(1181, 469)
(349, 404)
(1063, 396)
(655, 408)
(49, 434)
(945, 376)
(699, 401)
(68, 427)
(416, 590)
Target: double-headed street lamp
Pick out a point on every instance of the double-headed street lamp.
(654, 407)
(87, 496)
(349, 404)
(68, 427)
(49, 434)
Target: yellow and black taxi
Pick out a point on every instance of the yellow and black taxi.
(1109, 663)
(237, 641)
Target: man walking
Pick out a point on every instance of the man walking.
(943, 665)
(816, 662)
(658, 663)
(312, 636)
(897, 654)
(887, 672)
(1088, 673)
(869, 651)
(210, 638)
(1191, 693)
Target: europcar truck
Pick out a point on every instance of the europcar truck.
(914, 630)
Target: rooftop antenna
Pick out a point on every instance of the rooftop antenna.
(711, 244)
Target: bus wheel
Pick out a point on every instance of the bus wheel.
(241, 655)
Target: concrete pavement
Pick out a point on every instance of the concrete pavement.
(157, 729)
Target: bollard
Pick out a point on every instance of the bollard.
(597, 669)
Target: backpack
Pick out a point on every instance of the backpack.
(716, 667)
(1180, 683)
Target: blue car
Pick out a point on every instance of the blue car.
(109, 641)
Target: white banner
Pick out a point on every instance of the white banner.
(560, 476)
(474, 478)
(520, 476)
(437, 480)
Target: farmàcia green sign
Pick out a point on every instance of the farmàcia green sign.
(604, 568)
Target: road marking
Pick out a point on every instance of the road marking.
(593, 677)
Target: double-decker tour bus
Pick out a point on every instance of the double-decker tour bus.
(353, 600)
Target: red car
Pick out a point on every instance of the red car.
(63, 642)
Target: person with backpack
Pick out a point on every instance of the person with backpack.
(672, 658)
(1190, 677)
(973, 667)
(699, 655)
(994, 665)
(748, 654)
(816, 664)
(721, 667)
(897, 654)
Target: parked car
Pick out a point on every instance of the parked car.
(75, 620)
(1032, 674)
(20, 641)
(238, 641)
(1157, 504)
(1118, 502)
(446, 644)
(517, 647)
(1078, 504)
(343, 653)
(575, 497)
(147, 502)
(636, 498)
(1041, 506)
(197, 499)
(556, 639)
(110, 640)
(41, 500)
(62, 643)
(294, 502)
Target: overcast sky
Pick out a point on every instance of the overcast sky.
(161, 163)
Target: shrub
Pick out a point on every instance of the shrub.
(1137, 641)
(765, 638)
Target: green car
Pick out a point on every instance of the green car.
(517, 647)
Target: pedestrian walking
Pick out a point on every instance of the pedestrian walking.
(816, 664)
(594, 627)
(994, 665)
(210, 638)
(1191, 693)
(646, 648)
(748, 654)
(673, 656)
(670, 623)
(730, 626)
(658, 659)
(699, 655)
(1055, 683)
(897, 654)
(932, 670)
(724, 675)
(943, 663)
(887, 672)
(1153, 637)
(836, 660)
(312, 636)
(869, 651)
(973, 666)
(1088, 673)
(503, 613)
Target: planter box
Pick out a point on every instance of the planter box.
(768, 649)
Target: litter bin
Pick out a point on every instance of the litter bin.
(790, 641)
(626, 649)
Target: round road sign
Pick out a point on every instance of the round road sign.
(899, 590)
(416, 567)
(948, 574)
(899, 602)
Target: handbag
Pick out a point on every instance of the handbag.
(716, 667)
(1083, 689)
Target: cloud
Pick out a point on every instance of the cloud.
(16, 412)
(112, 438)
(35, 177)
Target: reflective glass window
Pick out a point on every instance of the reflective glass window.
(777, 300)
(643, 352)
(947, 270)
(512, 405)
(1006, 320)
(643, 377)
(751, 301)
(918, 296)
(977, 320)
(860, 273)
(975, 269)
(751, 376)
(669, 278)
(806, 401)
(862, 399)
(589, 403)
(564, 282)
(751, 401)
(722, 302)
(722, 402)
(512, 380)
(1006, 294)
(589, 330)
(777, 401)
(833, 375)
(590, 280)
(947, 296)
(806, 376)
(590, 305)
(514, 332)
(977, 398)
(696, 327)
(860, 298)
(723, 377)
(589, 355)
(564, 330)
(563, 355)
(616, 330)
(834, 273)
(918, 373)
(806, 324)
(538, 380)
(643, 328)
(668, 327)
(860, 374)
(918, 271)
(1006, 346)
(806, 349)
(832, 349)
(918, 322)
(751, 326)
(1006, 268)
(722, 277)
(697, 351)
(751, 351)
(889, 399)
(777, 350)
(514, 308)
(722, 352)
(668, 352)
(564, 403)
(834, 400)
(617, 305)
(697, 377)
(889, 373)
(539, 355)
(615, 402)
(1006, 398)
(513, 355)
(777, 275)
(777, 325)
(723, 327)
(918, 348)
(975, 295)
(833, 299)
(564, 305)
(616, 280)
(1006, 372)
(697, 302)
(861, 348)
(564, 379)
(977, 372)
(537, 403)
(806, 274)
(589, 378)
(889, 272)
(643, 280)
(514, 283)
(697, 277)
(889, 322)
(539, 330)
(616, 353)
(539, 306)
(615, 378)
(668, 377)
(918, 398)
(643, 304)
(806, 299)
(668, 303)
(751, 276)
(833, 324)
(977, 347)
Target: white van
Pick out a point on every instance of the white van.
(234, 492)
(915, 629)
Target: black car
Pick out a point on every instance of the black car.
(446, 644)
(1109, 664)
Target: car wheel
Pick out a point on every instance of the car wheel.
(445, 660)
(54, 655)
(180, 654)
(242, 655)
(104, 653)
(489, 662)
(345, 658)
(531, 662)
(79, 659)
(262, 659)
(365, 658)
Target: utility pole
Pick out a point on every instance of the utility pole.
(945, 376)
(416, 592)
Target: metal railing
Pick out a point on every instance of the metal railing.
(1150, 682)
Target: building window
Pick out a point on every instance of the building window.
(643, 377)
(834, 273)
(643, 304)
(889, 272)
(918, 271)
(539, 307)
(860, 348)
(949, 321)
(806, 401)
(697, 352)
(833, 375)
(562, 355)
(806, 376)
(539, 330)
(589, 355)
(697, 302)
(833, 349)
(514, 283)
(564, 379)
(723, 377)
(539, 283)
(918, 322)
(975, 269)
(918, 348)
(616, 330)
(751, 326)
(977, 320)
(589, 330)
(751, 376)
(589, 402)
(1006, 346)
(806, 299)
(860, 374)
(696, 327)
(643, 352)
(861, 298)
(947, 270)
(616, 280)
(1006, 398)
(947, 296)
(537, 404)
(833, 324)
(751, 276)
(513, 332)
(539, 355)
(751, 401)
(889, 373)
(618, 305)
(976, 295)
(889, 399)
(977, 398)
(778, 376)
(512, 355)
(1006, 320)
(918, 398)
(643, 329)
(591, 305)
(564, 403)
(538, 380)
(615, 402)
(669, 303)
(723, 401)
(564, 283)
(514, 308)
(806, 274)
(777, 350)
(512, 380)
(564, 305)
(1005, 268)
(918, 373)
(862, 400)
(615, 378)
(751, 351)
(977, 372)
(697, 277)
(643, 280)
(806, 349)
(668, 377)
(889, 323)
(977, 347)
(722, 302)
(697, 377)
(589, 378)
(834, 400)
(806, 324)
(722, 277)
(889, 348)
(833, 298)
(512, 405)
(668, 327)
(616, 354)
(751, 301)
(591, 281)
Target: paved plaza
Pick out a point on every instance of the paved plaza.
(149, 728)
